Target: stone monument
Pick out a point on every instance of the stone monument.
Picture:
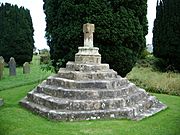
(1, 102)
(26, 68)
(12, 67)
(87, 89)
(1, 67)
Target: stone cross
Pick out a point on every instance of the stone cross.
(1, 67)
(26, 68)
(12, 67)
(88, 30)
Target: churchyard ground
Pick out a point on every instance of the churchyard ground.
(15, 120)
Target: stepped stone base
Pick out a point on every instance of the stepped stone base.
(87, 90)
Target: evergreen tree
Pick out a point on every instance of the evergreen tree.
(16, 33)
(120, 29)
(166, 33)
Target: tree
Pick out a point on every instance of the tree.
(120, 31)
(16, 33)
(166, 33)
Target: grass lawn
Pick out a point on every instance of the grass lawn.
(36, 75)
(15, 120)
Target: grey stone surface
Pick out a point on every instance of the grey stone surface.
(88, 30)
(1, 67)
(1, 59)
(12, 67)
(1, 102)
(88, 55)
(88, 90)
(26, 68)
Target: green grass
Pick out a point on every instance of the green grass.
(154, 81)
(36, 75)
(15, 120)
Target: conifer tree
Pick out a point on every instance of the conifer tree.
(16, 33)
(166, 33)
(120, 31)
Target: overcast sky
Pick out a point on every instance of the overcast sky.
(39, 24)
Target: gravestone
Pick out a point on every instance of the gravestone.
(1, 67)
(12, 67)
(1, 102)
(26, 68)
(88, 89)
(1, 59)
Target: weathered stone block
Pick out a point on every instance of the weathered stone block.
(91, 75)
(26, 68)
(86, 67)
(1, 67)
(12, 67)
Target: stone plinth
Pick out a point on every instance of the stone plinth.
(86, 89)
(88, 55)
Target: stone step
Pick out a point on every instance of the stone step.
(92, 75)
(67, 115)
(75, 105)
(90, 104)
(80, 94)
(86, 67)
(143, 110)
(87, 84)
(134, 98)
(143, 104)
(125, 112)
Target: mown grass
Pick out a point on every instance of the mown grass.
(36, 75)
(15, 120)
(154, 81)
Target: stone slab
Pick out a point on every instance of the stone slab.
(91, 75)
(61, 115)
(87, 84)
(86, 67)
(81, 94)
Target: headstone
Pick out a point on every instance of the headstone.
(1, 58)
(26, 68)
(12, 67)
(1, 102)
(1, 67)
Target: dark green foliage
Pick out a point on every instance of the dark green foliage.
(166, 34)
(120, 29)
(16, 33)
